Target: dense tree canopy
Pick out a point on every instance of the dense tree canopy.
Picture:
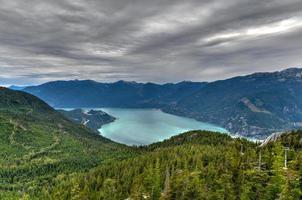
(45, 156)
(194, 165)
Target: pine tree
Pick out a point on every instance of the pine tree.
(167, 189)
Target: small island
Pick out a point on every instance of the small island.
(93, 119)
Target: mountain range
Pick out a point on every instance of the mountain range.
(255, 105)
(89, 93)
(44, 155)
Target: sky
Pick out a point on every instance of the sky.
(146, 40)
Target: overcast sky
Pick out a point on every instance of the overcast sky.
(146, 40)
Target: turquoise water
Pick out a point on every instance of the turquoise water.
(145, 126)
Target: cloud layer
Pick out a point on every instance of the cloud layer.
(143, 40)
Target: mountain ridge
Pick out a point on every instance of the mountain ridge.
(245, 105)
(43, 155)
(277, 94)
(37, 143)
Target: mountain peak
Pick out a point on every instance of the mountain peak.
(16, 87)
(292, 72)
(125, 82)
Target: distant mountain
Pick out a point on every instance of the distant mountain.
(255, 105)
(87, 93)
(14, 87)
(93, 119)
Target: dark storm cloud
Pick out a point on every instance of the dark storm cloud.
(143, 40)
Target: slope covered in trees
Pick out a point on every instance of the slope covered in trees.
(93, 119)
(37, 144)
(43, 155)
(194, 165)
(254, 106)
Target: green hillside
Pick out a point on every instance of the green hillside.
(194, 165)
(37, 144)
(43, 155)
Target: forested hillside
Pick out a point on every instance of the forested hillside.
(93, 119)
(254, 106)
(194, 165)
(37, 144)
(43, 155)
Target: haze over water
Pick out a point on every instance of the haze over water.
(145, 126)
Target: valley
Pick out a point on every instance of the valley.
(255, 105)
(47, 156)
(151, 100)
(121, 124)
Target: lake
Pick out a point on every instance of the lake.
(146, 126)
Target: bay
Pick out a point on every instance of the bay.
(146, 126)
